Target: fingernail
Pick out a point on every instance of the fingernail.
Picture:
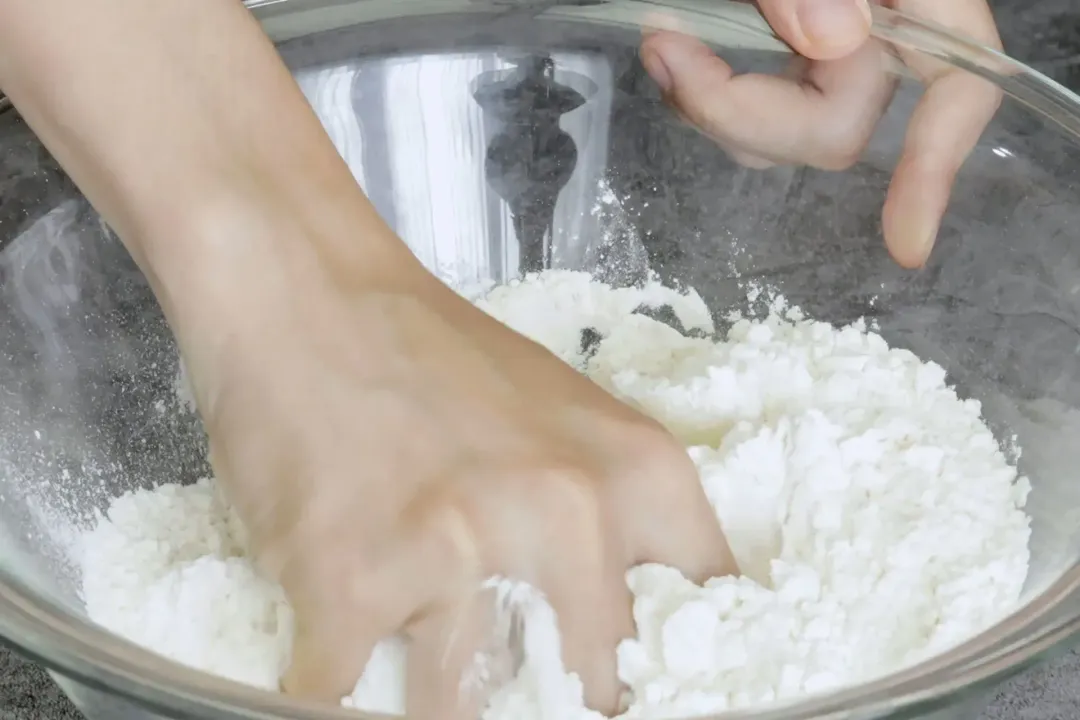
(834, 23)
(658, 71)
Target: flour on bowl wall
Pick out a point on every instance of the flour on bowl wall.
(873, 513)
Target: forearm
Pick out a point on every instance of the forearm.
(183, 127)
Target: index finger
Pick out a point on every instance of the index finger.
(666, 515)
(944, 129)
(822, 119)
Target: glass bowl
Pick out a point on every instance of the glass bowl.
(502, 137)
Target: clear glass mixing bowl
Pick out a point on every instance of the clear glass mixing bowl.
(500, 137)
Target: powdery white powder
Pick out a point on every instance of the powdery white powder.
(872, 511)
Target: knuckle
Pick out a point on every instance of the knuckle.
(571, 491)
(449, 540)
(709, 119)
(430, 553)
(577, 526)
(837, 163)
(840, 144)
(652, 448)
(570, 502)
(706, 117)
(840, 154)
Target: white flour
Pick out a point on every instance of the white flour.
(874, 516)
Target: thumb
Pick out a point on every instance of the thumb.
(820, 29)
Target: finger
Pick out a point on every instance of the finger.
(453, 662)
(968, 18)
(746, 159)
(595, 613)
(666, 514)
(328, 658)
(944, 129)
(820, 29)
(795, 71)
(562, 542)
(344, 605)
(337, 622)
(691, 541)
(824, 120)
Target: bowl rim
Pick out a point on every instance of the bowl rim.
(80, 651)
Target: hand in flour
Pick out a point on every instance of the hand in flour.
(385, 474)
(388, 445)
(823, 114)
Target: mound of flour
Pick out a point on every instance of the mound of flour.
(871, 510)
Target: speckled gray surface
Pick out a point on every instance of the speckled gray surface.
(1044, 33)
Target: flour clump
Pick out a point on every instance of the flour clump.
(873, 514)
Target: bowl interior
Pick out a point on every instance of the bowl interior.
(499, 143)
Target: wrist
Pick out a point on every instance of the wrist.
(240, 257)
(240, 284)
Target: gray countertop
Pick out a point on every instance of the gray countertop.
(1044, 33)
